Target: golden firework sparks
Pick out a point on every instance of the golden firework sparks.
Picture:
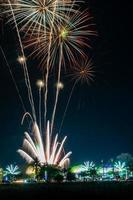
(84, 72)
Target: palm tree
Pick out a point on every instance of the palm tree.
(93, 174)
(12, 171)
(112, 166)
(120, 167)
(49, 172)
(87, 166)
(102, 163)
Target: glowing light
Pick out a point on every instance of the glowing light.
(21, 59)
(40, 84)
(76, 169)
(30, 170)
(73, 34)
(47, 152)
(64, 33)
(21, 181)
(60, 85)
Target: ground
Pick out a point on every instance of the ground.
(68, 190)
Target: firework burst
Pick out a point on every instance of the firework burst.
(73, 35)
(57, 33)
(67, 43)
(38, 13)
(49, 152)
(84, 72)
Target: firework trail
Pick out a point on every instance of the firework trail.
(37, 15)
(71, 37)
(12, 76)
(57, 88)
(84, 72)
(47, 67)
(58, 81)
(40, 85)
(74, 34)
(40, 119)
(27, 80)
(25, 115)
(67, 105)
(62, 34)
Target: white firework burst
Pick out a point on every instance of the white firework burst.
(38, 13)
(47, 152)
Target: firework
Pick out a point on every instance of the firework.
(60, 85)
(73, 35)
(67, 44)
(13, 79)
(40, 84)
(57, 88)
(49, 152)
(58, 34)
(38, 13)
(21, 59)
(38, 44)
(84, 72)
(120, 166)
(24, 64)
(60, 46)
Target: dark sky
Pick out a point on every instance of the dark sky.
(99, 121)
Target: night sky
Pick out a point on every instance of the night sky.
(99, 121)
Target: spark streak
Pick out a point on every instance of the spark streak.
(26, 74)
(40, 85)
(13, 78)
(57, 88)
